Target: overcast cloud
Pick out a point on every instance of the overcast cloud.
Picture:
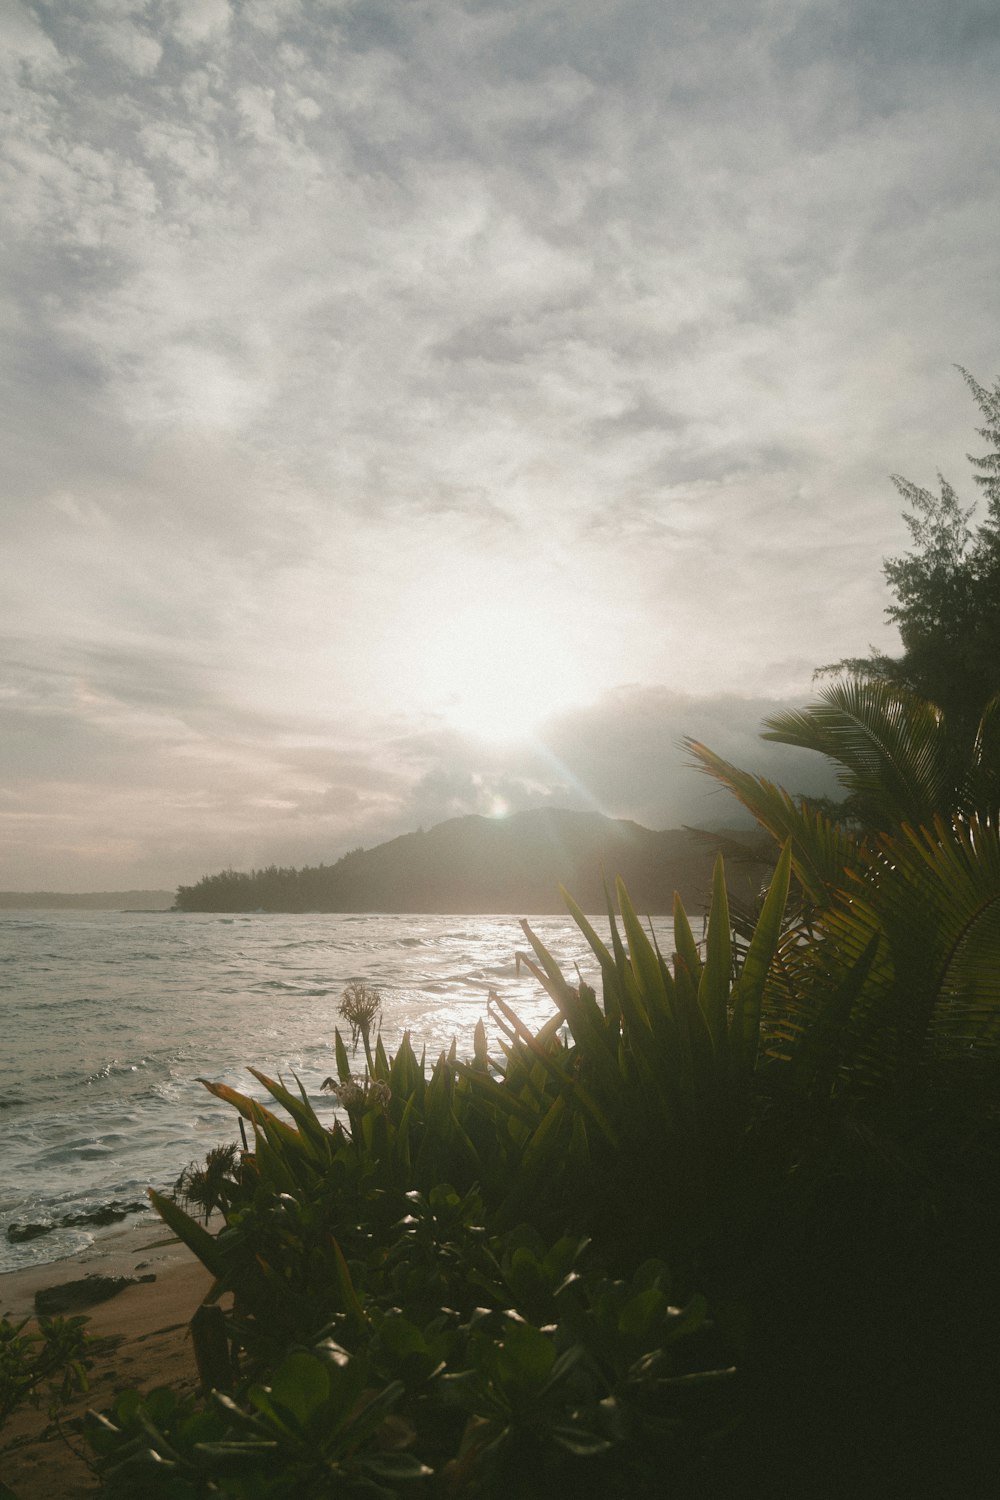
(416, 407)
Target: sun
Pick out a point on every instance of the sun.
(497, 672)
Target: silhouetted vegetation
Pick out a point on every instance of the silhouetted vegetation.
(947, 590)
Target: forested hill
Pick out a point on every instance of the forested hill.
(475, 864)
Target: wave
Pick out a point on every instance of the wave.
(289, 987)
(102, 1047)
(116, 1068)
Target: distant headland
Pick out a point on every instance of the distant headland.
(86, 900)
(478, 865)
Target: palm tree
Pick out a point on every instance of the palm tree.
(892, 964)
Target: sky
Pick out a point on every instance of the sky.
(424, 407)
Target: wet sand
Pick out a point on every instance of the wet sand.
(150, 1322)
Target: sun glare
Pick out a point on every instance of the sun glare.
(496, 674)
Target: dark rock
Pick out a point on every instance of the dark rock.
(19, 1233)
(108, 1213)
(71, 1296)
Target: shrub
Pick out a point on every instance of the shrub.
(51, 1363)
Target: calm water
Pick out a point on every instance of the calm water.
(109, 1018)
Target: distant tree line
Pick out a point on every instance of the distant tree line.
(274, 888)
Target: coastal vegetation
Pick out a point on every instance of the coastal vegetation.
(556, 1268)
(502, 1254)
(726, 1226)
(42, 1364)
(946, 602)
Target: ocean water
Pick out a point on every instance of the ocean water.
(109, 1018)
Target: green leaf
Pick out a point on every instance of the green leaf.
(652, 992)
(596, 1038)
(194, 1235)
(685, 1320)
(301, 1386)
(554, 981)
(609, 970)
(395, 1468)
(527, 1356)
(401, 1336)
(580, 1441)
(544, 1140)
(348, 1296)
(381, 1068)
(312, 1135)
(687, 948)
(259, 1397)
(749, 991)
(406, 1074)
(642, 1313)
(248, 1449)
(713, 989)
(489, 1089)
(343, 1061)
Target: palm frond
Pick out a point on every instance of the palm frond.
(821, 848)
(939, 903)
(891, 748)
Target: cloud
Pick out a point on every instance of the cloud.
(325, 324)
(197, 23)
(26, 46)
(130, 45)
(137, 767)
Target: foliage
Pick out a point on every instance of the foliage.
(898, 756)
(51, 1362)
(655, 1087)
(947, 590)
(891, 967)
(650, 1087)
(311, 1431)
(604, 1373)
(898, 762)
(210, 1186)
(274, 888)
(475, 1253)
(882, 1014)
(481, 1278)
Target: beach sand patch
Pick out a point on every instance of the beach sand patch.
(145, 1341)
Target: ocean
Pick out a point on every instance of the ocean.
(109, 1018)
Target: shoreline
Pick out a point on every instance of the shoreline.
(114, 1250)
(149, 1324)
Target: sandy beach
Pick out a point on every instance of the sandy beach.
(148, 1319)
